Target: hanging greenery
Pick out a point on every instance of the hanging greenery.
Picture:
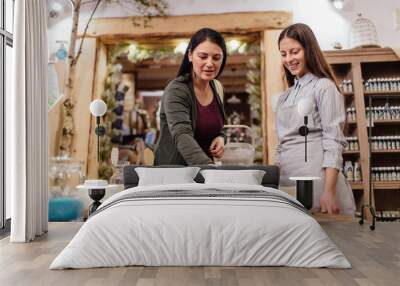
(253, 88)
(111, 84)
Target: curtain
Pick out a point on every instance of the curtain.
(26, 123)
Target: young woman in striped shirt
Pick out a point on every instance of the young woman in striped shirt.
(310, 78)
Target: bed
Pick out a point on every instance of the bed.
(201, 224)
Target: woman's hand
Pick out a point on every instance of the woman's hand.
(328, 202)
(328, 197)
(217, 147)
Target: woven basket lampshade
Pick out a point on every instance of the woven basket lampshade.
(364, 33)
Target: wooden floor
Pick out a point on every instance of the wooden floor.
(375, 257)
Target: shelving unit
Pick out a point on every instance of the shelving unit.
(351, 152)
(389, 185)
(387, 122)
(357, 185)
(360, 65)
(382, 93)
(386, 151)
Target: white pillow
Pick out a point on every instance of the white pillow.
(163, 176)
(248, 177)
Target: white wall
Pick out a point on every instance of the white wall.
(329, 24)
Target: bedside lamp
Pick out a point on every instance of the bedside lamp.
(304, 108)
(98, 108)
(304, 185)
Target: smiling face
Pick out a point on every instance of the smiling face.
(293, 58)
(207, 60)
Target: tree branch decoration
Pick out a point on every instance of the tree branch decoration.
(147, 8)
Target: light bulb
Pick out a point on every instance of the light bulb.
(305, 107)
(233, 45)
(98, 107)
(181, 48)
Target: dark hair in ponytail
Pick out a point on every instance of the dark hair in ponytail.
(199, 37)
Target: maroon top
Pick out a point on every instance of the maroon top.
(209, 124)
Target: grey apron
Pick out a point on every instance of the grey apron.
(292, 163)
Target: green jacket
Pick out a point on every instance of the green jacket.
(176, 144)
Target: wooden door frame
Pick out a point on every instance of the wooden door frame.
(106, 31)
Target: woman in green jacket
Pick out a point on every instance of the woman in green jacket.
(192, 114)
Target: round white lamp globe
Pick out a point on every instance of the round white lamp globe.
(305, 107)
(98, 107)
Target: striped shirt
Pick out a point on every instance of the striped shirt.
(327, 118)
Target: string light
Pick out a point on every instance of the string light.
(233, 45)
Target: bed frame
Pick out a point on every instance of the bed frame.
(270, 179)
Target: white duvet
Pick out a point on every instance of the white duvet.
(183, 231)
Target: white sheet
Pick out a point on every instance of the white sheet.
(200, 231)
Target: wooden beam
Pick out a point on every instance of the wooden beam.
(365, 55)
(82, 96)
(119, 29)
(100, 74)
(272, 85)
(362, 133)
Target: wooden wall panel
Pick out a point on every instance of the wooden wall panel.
(100, 74)
(273, 84)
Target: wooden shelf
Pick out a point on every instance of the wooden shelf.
(387, 121)
(383, 93)
(351, 152)
(388, 185)
(348, 93)
(357, 185)
(386, 151)
(351, 122)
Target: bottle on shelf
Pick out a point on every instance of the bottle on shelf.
(351, 114)
(349, 171)
(385, 142)
(357, 172)
(352, 144)
(384, 174)
(382, 84)
(346, 86)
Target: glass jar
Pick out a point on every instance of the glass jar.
(117, 177)
(356, 147)
(373, 174)
(64, 175)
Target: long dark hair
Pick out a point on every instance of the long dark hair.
(199, 37)
(315, 60)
